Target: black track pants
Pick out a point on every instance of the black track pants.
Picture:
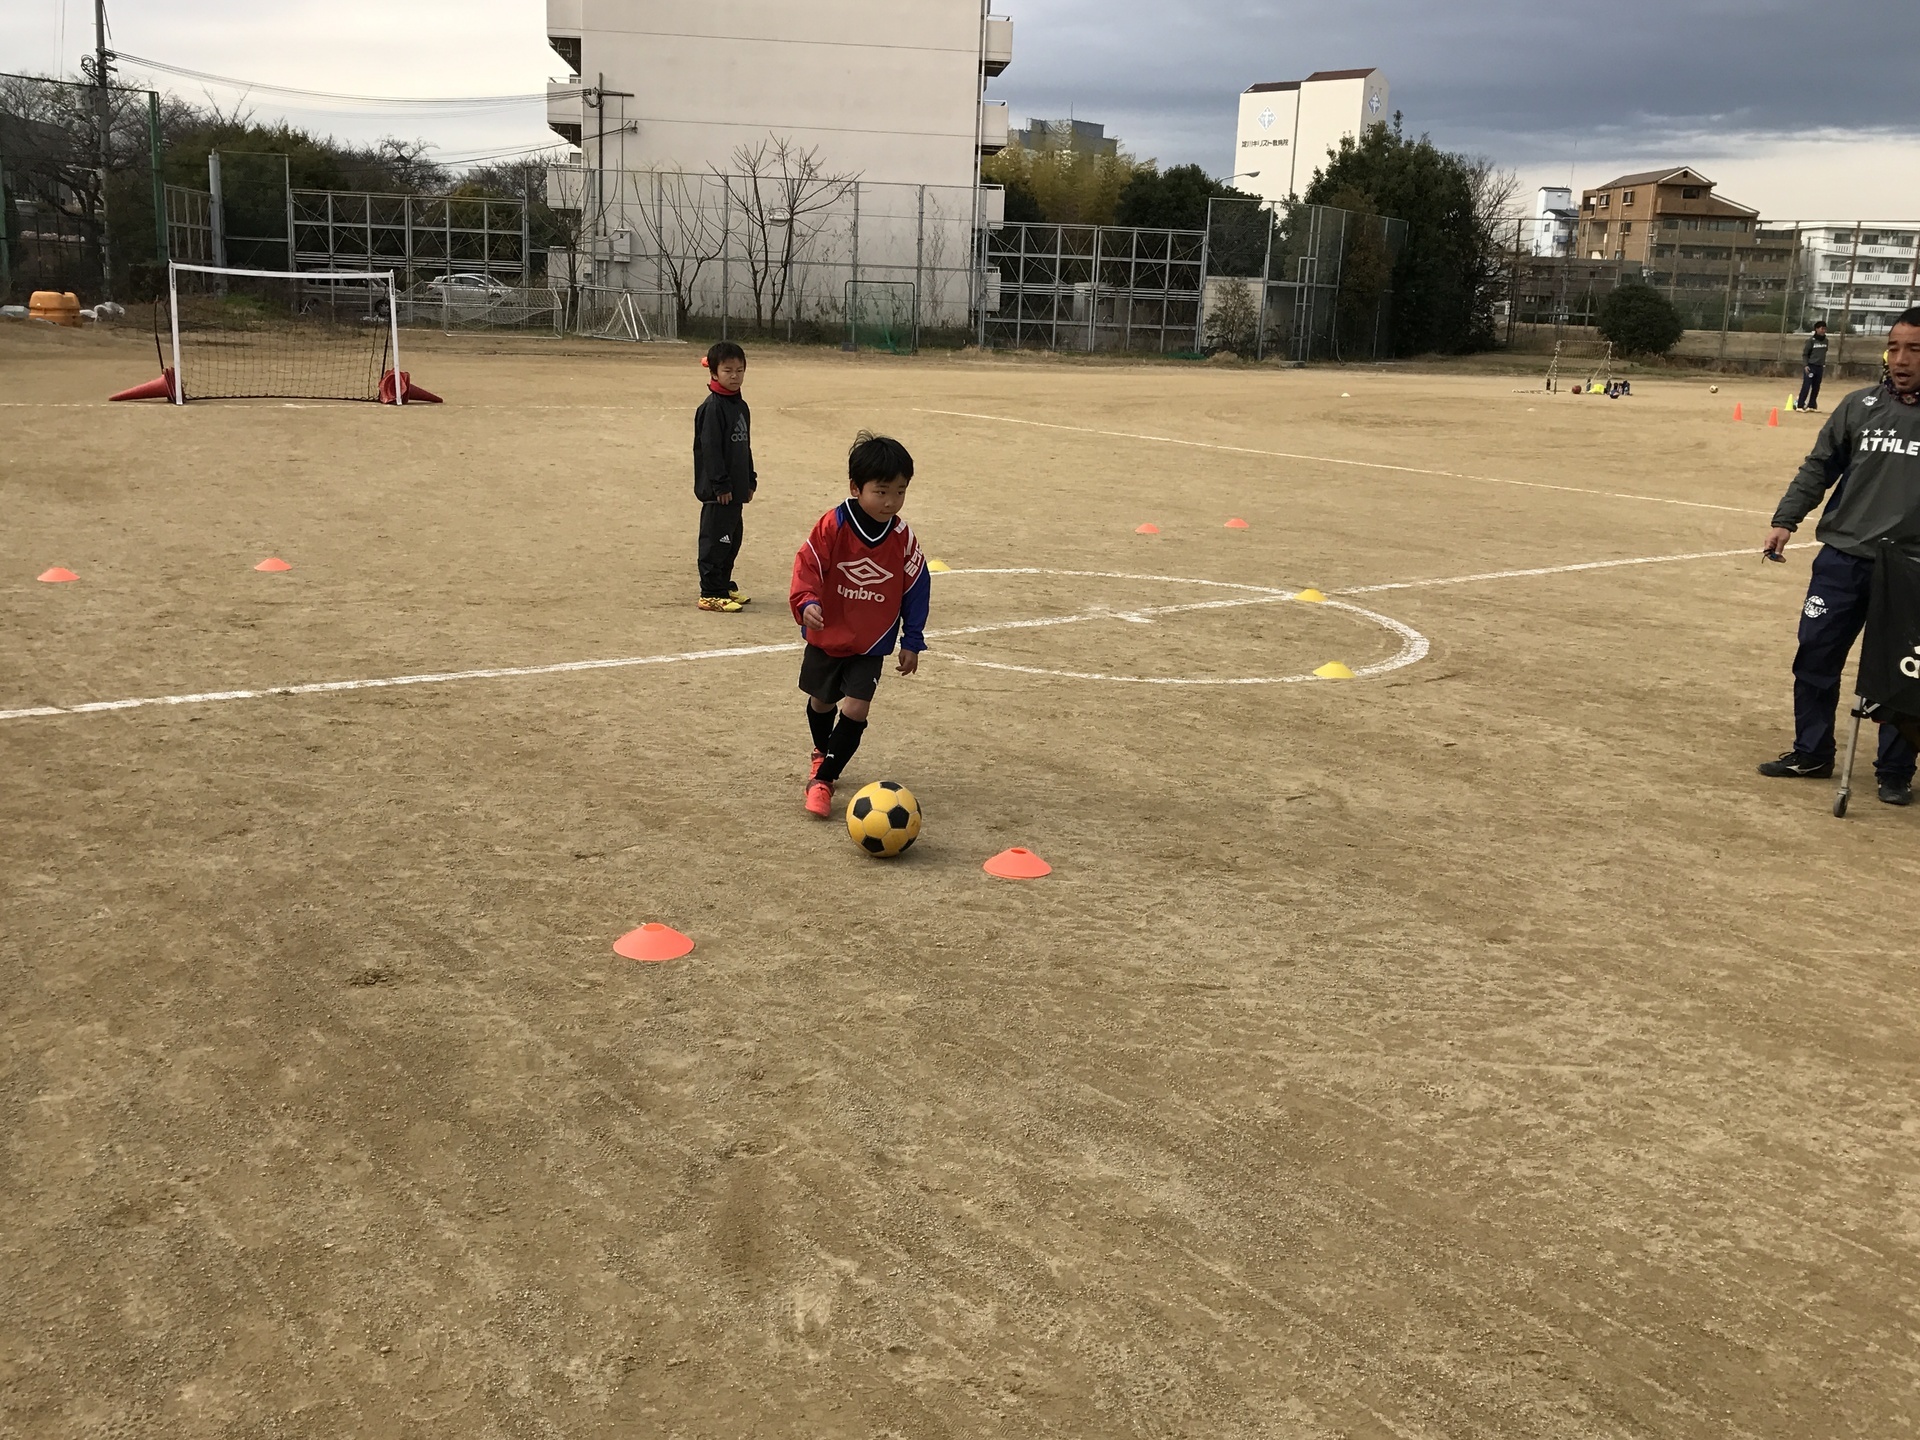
(721, 532)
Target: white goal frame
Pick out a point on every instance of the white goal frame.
(175, 269)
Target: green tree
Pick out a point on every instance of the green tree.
(1068, 187)
(1174, 199)
(1639, 320)
(1440, 270)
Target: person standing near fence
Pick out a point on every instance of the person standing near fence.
(723, 475)
(1813, 361)
(1871, 447)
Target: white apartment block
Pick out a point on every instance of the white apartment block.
(1863, 271)
(887, 91)
(1556, 221)
(1288, 126)
(660, 100)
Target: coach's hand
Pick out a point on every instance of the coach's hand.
(1777, 539)
(814, 618)
(909, 661)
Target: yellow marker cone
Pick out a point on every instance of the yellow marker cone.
(1311, 596)
(939, 567)
(1334, 670)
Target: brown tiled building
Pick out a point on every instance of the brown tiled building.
(1708, 253)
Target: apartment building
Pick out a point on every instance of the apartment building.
(1859, 274)
(889, 92)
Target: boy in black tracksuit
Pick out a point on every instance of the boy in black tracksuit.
(723, 475)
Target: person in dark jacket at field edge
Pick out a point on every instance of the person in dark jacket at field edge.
(723, 475)
(1868, 454)
(1813, 357)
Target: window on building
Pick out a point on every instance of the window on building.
(1626, 227)
(1690, 192)
(1689, 224)
(1626, 197)
(1670, 224)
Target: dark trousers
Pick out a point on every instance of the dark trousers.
(1831, 620)
(721, 532)
(1810, 387)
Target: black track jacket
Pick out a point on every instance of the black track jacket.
(723, 449)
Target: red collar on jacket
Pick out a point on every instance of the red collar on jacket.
(717, 388)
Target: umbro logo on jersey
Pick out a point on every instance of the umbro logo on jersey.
(865, 571)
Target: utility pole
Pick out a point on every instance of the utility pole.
(103, 115)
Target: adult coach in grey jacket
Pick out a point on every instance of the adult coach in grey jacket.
(1813, 362)
(1868, 453)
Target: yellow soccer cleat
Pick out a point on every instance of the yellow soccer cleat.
(721, 604)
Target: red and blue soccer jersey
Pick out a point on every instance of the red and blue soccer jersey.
(869, 579)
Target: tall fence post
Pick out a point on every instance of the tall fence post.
(853, 281)
(160, 251)
(1726, 302)
(919, 265)
(726, 252)
(1846, 312)
(1206, 258)
(1786, 297)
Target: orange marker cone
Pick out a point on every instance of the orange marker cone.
(1147, 529)
(1736, 410)
(56, 576)
(1773, 417)
(273, 565)
(1017, 864)
(161, 389)
(1236, 523)
(652, 943)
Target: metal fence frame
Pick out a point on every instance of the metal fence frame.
(419, 236)
(1094, 287)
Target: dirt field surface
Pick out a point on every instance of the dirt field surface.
(1477, 1047)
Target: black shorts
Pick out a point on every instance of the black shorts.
(835, 677)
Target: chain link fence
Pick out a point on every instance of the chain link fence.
(1747, 290)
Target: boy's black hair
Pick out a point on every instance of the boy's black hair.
(1819, 324)
(720, 352)
(876, 457)
(1909, 316)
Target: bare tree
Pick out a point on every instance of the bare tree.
(784, 195)
(1496, 214)
(685, 234)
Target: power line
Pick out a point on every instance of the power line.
(373, 100)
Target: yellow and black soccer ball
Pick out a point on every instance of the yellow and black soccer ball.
(884, 819)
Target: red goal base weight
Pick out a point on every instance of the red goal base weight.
(163, 389)
(410, 393)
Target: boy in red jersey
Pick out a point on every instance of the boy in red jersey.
(858, 582)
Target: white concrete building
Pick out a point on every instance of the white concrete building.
(882, 103)
(1864, 271)
(887, 91)
(1288, 126)
(1556, 222)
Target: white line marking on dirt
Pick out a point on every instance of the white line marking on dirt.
(1334, 460)
(1413, 645)
(1542, 570)
(1262, 595)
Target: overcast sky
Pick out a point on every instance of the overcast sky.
(1804, 108)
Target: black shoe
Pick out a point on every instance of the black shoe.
(1794, 765)
(1896, 792)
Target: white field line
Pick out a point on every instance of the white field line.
(1334, 460)
(1261, 595)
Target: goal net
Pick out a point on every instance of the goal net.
(281, 335)
(882, 316)
(640, 316)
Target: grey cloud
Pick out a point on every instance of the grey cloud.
(1516, 79)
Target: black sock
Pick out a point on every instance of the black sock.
(840, 747)
(821, 723)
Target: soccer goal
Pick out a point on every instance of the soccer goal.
(281, 334)
(881, 315)
(644, 317)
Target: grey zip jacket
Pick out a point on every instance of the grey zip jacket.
(1814, 352)
(1871, 446)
